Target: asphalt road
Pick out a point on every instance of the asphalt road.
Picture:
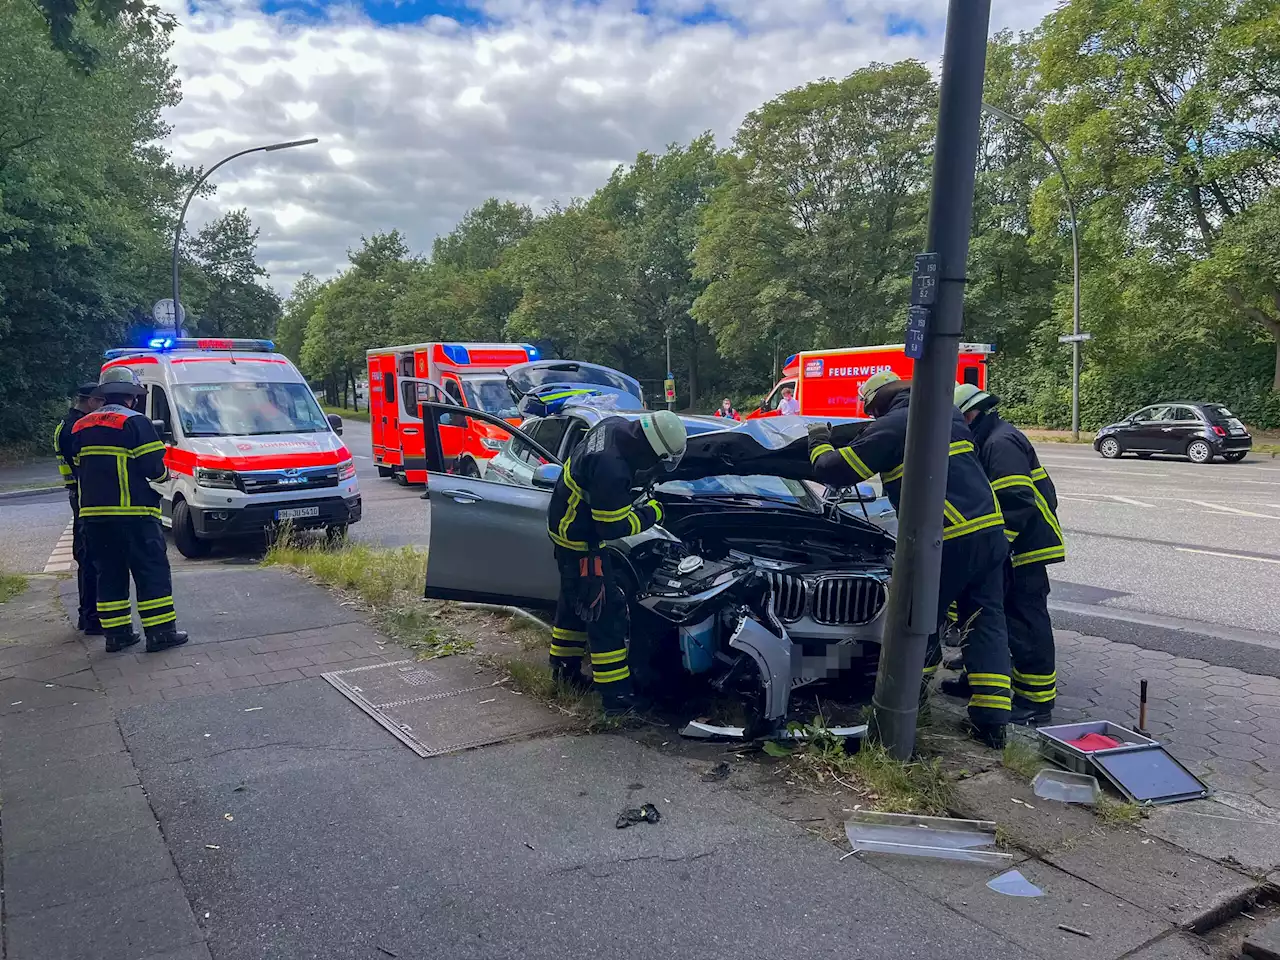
(1162, 553)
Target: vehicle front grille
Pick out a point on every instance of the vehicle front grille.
(848, 600)
(288, 481)
(788, 596)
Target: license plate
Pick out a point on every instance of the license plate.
(294, 513)
(1236, 431)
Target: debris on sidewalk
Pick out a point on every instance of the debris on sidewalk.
(940, 838)
(1066, 787)
(1014, 884)
(702, 730)
(647, 813)
(717, 773)
(1078, 933)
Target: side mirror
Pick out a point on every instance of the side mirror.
(547, 475)
(335, 421)
(162, 429)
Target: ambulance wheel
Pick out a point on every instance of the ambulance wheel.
(401, 478)
(467, 468)
(184, 533)
(385, 472)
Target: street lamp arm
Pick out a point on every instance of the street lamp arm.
(182, 215)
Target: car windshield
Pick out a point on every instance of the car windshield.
(246, 408)
(573, 372)
(771, 488)
(490, 395)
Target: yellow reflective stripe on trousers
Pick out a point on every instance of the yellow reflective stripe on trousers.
(1036, 696)
(610, 676)
(159, 619)
(562, 633)
(155, 603)
(609, 656)
(855, 461)
(989, 680)
(1058, 552)
(120, 512)
(1037, 678)
(109, 622)
(994, 702)
(819, 450)
(559, 651)
(113, 604)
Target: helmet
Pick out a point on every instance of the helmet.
(873, 384)
(116, 381)
(968, 397)
(666, 434)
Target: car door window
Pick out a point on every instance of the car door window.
(160, 409)
(1186, 415)
(549, 431)
(577, 430)
(775, 398)
(453, 394)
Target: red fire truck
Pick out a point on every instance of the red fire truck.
(825, 382)
(468, 374)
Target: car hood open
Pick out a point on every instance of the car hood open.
(769, 446)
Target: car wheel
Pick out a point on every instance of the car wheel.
(1199, 452)
(337, 533)
(184, 533)
(1235, 456)
(1110, 448)
(385, 472)
(467, 468)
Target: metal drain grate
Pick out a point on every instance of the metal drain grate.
(452, 707)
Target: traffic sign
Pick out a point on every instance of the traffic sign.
(1075, 338)
(917, 326)
(924, 280)
(670, 387)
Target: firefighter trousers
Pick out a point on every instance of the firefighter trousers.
(605, 638)
(124, 547)
(1026, 614)
(86, 575)
(972, 577)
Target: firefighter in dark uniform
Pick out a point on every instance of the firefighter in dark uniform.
(1030, 506)
(593, 501)
(86, 578)
(973, 542)
(117, 454)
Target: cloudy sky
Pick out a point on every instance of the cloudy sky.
(426, 107)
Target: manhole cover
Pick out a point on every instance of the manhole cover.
(451, 707)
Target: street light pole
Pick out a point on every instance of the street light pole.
(1075, 259)
(182, 216)
(913, 597)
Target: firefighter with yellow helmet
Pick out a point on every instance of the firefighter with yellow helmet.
(973, 541)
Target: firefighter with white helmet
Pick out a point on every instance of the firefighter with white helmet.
(973, 542)
(594, 501)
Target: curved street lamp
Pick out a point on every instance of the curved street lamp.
(1075, 260)
(177, 233)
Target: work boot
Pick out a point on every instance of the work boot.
(620, 703)
(164, 638)
(1035, 715)
(570, 677)
(988, 734)
(956, 687)
(91, 628)
(118, 640)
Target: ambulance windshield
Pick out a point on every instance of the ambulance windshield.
(246, 408)
(490, 394)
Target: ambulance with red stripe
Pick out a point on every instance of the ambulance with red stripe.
(826, 382)
(466, 374)
(246, 443)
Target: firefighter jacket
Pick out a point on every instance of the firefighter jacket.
(593, 501)
(62, 448)
(970, 503)
(116, 452)
(1027, 496)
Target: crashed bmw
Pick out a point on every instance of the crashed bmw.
(758, 581)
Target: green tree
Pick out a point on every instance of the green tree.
(233, 301)
(297, 311)
(66, 21)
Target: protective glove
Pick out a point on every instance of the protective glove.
(591, 588)
(819, 433)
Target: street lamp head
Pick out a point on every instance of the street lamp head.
(291, 143)
(1002, 114)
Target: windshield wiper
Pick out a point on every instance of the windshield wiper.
(736, 497)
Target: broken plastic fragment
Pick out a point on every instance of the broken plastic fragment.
(1065, 786)
(647, 813)
(939, 838)
(1014, 884)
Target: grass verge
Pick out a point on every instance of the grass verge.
(387, 583)
(11, 585)
(346, 413)
(536, 680)
(1023, 759)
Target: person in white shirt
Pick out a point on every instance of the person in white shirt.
(789, 404)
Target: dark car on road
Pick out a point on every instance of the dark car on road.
(1197, 431)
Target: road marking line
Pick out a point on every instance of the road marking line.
(359, 457)
(1135, 503)
(62, 558)
(1222, 509)
(1233, 556)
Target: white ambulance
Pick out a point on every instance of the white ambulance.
(247, 444)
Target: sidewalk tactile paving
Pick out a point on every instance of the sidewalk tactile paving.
(444, 710)
(1224, 724)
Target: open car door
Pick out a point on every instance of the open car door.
(487, 541)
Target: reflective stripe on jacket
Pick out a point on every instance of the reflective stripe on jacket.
(62, 447)
(116, 451)
(1027, 496)
(970, 504)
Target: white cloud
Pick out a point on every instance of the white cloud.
(420, 122)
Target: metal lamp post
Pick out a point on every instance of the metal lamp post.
(177, 232)
(1076, 336)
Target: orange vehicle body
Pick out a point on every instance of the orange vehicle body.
(468, 374)
(826, 382)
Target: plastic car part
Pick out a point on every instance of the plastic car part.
(1065, 786)
(1014, 884)
(772, 655)
(939, 838)
(698, 730)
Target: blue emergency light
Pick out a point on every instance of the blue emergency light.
(164, 344)
(532, 352)
(456, 353)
